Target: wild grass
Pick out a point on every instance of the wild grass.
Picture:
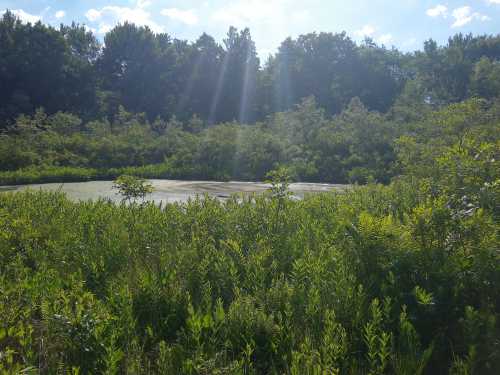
(373, 281)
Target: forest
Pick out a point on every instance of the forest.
(149, 104)
(398, 274)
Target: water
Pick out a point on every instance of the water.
(168, 191)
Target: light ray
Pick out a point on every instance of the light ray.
(245, 87)
(218, 91)
(186, 94)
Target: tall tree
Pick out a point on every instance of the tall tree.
(334, 69)
(206, 63)
(235, 97)
(45, 67)
(138, 65)
(81, 81)
(32, 58)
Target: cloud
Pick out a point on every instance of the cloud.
(244, 13)
(493, 1)
(104, 28)
(385, 39)
(370, 31)
(60, 14)
(365, 31)
(270, 21)
(464, 15)
(110, 15)
(93, 15)
(24, 16)
(438, 11)
(91, 29)
(188, 17)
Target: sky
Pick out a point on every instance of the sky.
(405, 24)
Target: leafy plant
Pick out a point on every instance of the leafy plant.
(132, 188)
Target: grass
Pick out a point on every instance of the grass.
(371, 281)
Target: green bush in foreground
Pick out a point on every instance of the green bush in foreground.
(373, 281)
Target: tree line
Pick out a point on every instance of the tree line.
(356, 146)
(69, 69)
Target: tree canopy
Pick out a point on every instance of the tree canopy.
(68, 69)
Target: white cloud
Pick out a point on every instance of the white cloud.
(91, 29)
(104, 28)
(244, 13)
(370, 31)
(385, 39)
(438, 11)
(60, 14)
(110, 15)
(494, 1)
(93, 15)
(188, 17)
(464, 15)
(239, 14)
(365, 31)
(24, 16)
(270, 21)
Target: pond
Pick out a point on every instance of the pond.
(168, 191)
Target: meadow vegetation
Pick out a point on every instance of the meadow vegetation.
(402, 278)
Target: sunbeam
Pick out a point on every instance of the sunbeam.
(283, 89)
(245, 87)
(186, 94)
(218, 90)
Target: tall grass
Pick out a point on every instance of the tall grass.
(373, 281)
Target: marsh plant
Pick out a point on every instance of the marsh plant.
(376, 280)
(132, 188)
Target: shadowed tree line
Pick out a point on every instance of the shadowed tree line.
(68, 69)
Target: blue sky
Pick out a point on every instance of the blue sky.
(402, 23)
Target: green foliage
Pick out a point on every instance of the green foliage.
(280, 181)
(67, 69)
(375, 280)
(357, 146)
(312, 147)
(132, 188)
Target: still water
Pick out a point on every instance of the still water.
(168, 191)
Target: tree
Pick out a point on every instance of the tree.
(333, 69)
(37, 81)
(200, 71)
(138, 65)
(237, 79)
(485, 80)
(132, 188)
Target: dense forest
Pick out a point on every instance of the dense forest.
(72, 108)
(70, 70)
(399, 274)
